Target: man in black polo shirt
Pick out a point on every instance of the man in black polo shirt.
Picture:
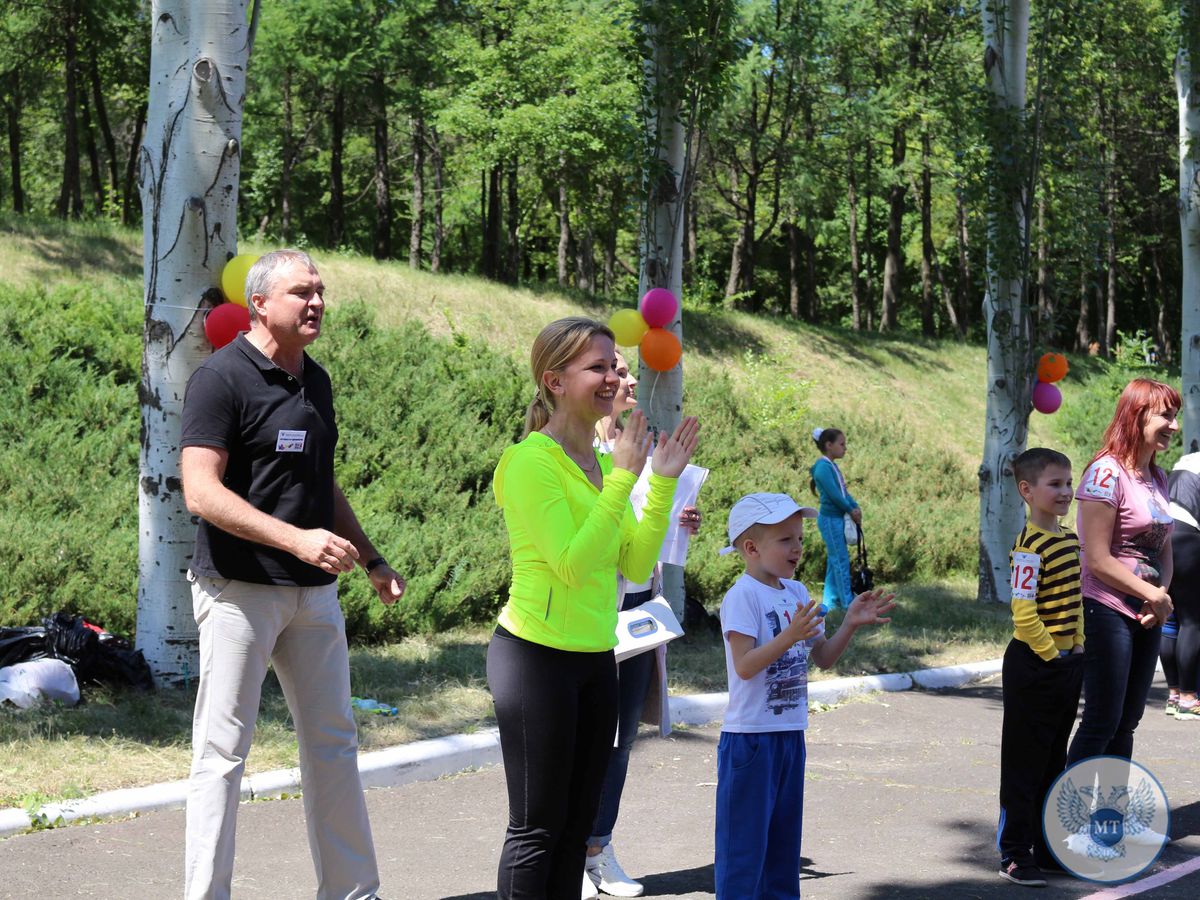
(274, 533)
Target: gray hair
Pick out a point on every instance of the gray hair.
(264, 274)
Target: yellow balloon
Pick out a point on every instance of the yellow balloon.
(628, 326)
(233, 277)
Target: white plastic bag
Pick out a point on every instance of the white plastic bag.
(851, 529)
(26, 684)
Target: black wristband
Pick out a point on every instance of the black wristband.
(372, 563)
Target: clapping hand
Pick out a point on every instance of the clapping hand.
(869, 608)
(806, 622)
(673, 453)
(633, 443)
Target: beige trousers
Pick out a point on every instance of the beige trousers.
(301, 631)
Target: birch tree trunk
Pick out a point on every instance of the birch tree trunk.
(1188, 91)
(188, 175)
(1009, 326)
(665, 182)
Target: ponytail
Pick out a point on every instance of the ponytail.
(536, 415)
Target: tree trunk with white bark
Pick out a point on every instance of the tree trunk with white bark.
(1188, 92)
(660, 394)
(1005, 309)
(188, 174)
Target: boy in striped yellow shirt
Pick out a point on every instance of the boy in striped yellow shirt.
(1043, 669)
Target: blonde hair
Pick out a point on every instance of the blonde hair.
(553, 349)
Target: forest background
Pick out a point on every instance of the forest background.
(839, 195)
(839, 180)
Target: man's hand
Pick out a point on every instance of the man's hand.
(387, 583)
(325, 550)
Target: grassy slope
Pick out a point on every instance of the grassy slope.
(934, 389)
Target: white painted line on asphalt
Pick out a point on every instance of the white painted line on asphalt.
(1158, 879)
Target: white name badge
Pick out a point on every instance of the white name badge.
(290, 441)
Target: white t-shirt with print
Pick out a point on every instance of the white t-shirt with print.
(776, 699)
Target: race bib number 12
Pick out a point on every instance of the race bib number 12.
(1100, 482)
(1025, 568)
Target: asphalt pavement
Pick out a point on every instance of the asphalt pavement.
(900, 803)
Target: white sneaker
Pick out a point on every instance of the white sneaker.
(611, 878)
(589, 887)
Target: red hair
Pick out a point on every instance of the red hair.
(1123, 437)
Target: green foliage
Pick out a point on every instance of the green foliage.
(423, 423)
(68, 454)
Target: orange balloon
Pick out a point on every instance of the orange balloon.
(661, 349)
(1051, 367)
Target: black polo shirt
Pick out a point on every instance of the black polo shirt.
(280, 434)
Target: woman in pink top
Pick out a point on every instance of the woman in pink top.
(1124, 529)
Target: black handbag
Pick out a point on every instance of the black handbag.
(861, 577)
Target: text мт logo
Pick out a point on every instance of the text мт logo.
(1106, 819)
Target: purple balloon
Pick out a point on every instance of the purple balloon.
(658, 307)
(1047, 398)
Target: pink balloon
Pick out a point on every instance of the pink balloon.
(223, 323)
(658, 307)
(1047, 398)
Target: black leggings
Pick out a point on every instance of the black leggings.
(557, 712)
(1185, 594)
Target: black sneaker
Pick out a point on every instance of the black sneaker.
(1023, 873)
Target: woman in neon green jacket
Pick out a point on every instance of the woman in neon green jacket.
(550, 663)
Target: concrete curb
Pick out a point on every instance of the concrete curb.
(432, 759)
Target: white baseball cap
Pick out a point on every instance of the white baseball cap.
(762, 509)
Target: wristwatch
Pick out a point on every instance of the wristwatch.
(374, 563)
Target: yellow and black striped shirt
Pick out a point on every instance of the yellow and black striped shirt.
(1047, 605)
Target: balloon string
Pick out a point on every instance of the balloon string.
(650, 399)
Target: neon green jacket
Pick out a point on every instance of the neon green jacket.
(568, 541)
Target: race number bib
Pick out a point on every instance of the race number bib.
(1025, 568)
(1100, 482)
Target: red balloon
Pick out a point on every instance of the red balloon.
(1047, 398)
(658, 308)
(223, 323)
(661, 349)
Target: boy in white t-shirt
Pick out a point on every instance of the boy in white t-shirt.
(771, 628)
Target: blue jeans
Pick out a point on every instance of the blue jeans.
(1118, 668)
(760, 815)
(633, 680)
